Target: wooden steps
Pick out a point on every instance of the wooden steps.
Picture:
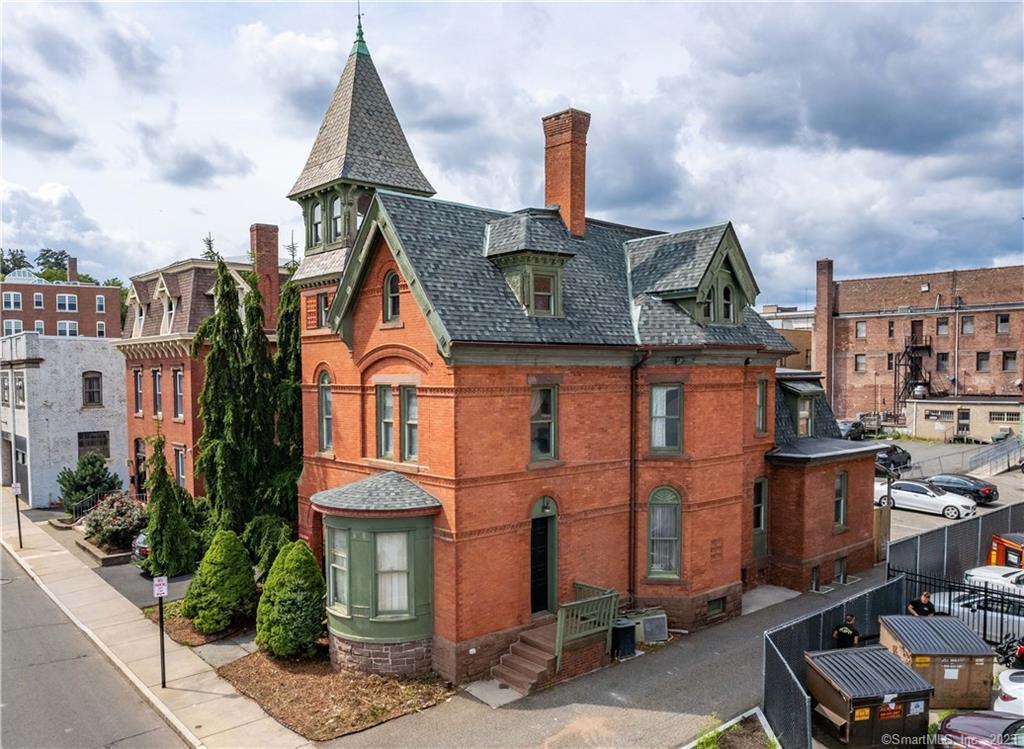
(529, 661)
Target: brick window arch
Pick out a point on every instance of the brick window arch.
(664, 525)
(392, 301)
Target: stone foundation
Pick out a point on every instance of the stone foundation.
(797, 575)
(691, 612)
(454, 662)
(389, 659)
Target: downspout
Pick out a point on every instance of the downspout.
(633, 370)
(956, 352)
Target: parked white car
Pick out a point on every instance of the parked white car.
(1011, 693)
(924, 497)
(1011, 578)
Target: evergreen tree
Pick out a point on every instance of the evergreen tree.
(293, 255)
(257, 428)
(12, 260)
(283, 498)
(51, 260)
(172, 546)
(222, 403)
(87, 480)
(223, 586)
(209, 253)
(290, 615)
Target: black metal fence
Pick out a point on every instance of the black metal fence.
(785, 702)
(950, 551)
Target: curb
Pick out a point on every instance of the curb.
(169, 717)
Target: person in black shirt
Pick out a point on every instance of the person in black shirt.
(846, 634)
(922, 606)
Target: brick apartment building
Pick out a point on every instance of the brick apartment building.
(952, 334)
(62, 308)
(163, 381)
(499, 405)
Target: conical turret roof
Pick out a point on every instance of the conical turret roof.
(360, 138)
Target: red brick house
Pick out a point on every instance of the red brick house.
(502, 405)
(163, 381)
(61, 308)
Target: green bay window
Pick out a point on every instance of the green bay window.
(392, 573)
(666, 417)
(664, 533)
(338, 579)
(410, 425)
(385, 422)
(543, 423)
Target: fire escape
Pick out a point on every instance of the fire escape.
(909, 371)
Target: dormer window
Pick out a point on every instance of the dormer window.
(727, 304)
(316, 223)
(140, 320)
(336, 218)
(709, 306)
(543, 294)
(168, 321)
(391, 297)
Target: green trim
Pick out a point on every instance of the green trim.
(760, 535)
(673, 450)
(385, 392)
(404, 393)
(663, 496)
(359, 45)
(520, 269)
(537, 512)
(553, 455)
(728, 267)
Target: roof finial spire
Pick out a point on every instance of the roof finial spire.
(359, 47)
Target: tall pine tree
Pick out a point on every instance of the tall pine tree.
(222, 404)
(282, 498)
(258, 385)
(172, 544)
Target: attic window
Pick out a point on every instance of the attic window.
(709, 305)
(391, 297)
(727, 304)
(168, 316)
(543, 294)
(316, 223)
(336, 219)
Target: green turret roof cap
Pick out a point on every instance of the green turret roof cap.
(359, 45)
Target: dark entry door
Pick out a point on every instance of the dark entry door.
(539, 564)
(917, 331)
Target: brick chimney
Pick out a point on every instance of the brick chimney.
(72, 269)
(565, 166)
(823, 337)
(263, 245)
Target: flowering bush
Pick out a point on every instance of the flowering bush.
(116, 522)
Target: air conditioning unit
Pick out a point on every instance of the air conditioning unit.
(651, 626)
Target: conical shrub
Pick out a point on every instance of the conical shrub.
(291, 611)
(223, 586)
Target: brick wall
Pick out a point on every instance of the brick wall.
(977, 286)
(86, 316)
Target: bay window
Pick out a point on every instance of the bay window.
(338, 577)
(392, 572)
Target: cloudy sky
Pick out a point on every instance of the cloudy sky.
(887, 136)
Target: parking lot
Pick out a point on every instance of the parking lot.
(936, 458)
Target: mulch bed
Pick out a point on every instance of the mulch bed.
(179, 627)
(320, 703)
(747, 734)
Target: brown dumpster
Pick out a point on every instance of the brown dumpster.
(867, 696)
(946, 653)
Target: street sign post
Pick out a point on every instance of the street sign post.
(16, 491)
(159, 591)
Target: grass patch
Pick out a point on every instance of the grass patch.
(313, 699)
(179, 627)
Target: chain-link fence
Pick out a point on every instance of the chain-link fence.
(785, 703)
(990, 459)
(950, 551)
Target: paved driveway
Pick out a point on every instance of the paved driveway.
(661, 699)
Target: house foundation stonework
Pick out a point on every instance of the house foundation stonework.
(408, 659)
(511, 415)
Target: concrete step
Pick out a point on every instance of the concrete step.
(512, 679)
(529, 653)
(541, 638)
(529, 669)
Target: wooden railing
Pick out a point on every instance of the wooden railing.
(591, 613)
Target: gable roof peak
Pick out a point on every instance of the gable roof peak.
(360, 138)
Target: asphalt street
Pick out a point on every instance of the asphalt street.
(56, 688)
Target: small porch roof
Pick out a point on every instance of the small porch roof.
(820, 448)
(383, 492)
(802, 388)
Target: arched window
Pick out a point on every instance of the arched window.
(727, 304)
(326, 412)
(336, 219)
(663, 532)
(92, 389)
(709, 305)
(316, 223)
(391, 301)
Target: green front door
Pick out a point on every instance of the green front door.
(760, 519)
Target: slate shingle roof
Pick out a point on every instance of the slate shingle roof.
(383, 492)
(673, 262)
(448, 245)
(330, 263)
(360, 138)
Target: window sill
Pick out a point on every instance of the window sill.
(338, 613)
(391, 325)
(760, 434)
(178, 419)
(662, 580)
(325, 454)
(393, 618)
(92, 405)
(139, 415)
(542, 463)
(838, 530)
(394, 465)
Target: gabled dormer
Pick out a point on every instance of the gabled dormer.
(531, 248)
(360, 147)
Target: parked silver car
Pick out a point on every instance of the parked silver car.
(992, 616)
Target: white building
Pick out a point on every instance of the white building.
(60, 398)
(788, 318)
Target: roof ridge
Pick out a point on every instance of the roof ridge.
(442, 201)
(680, 232)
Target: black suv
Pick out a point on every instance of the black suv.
(893, 457)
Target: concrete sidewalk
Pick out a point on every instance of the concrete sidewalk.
(204, 709)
